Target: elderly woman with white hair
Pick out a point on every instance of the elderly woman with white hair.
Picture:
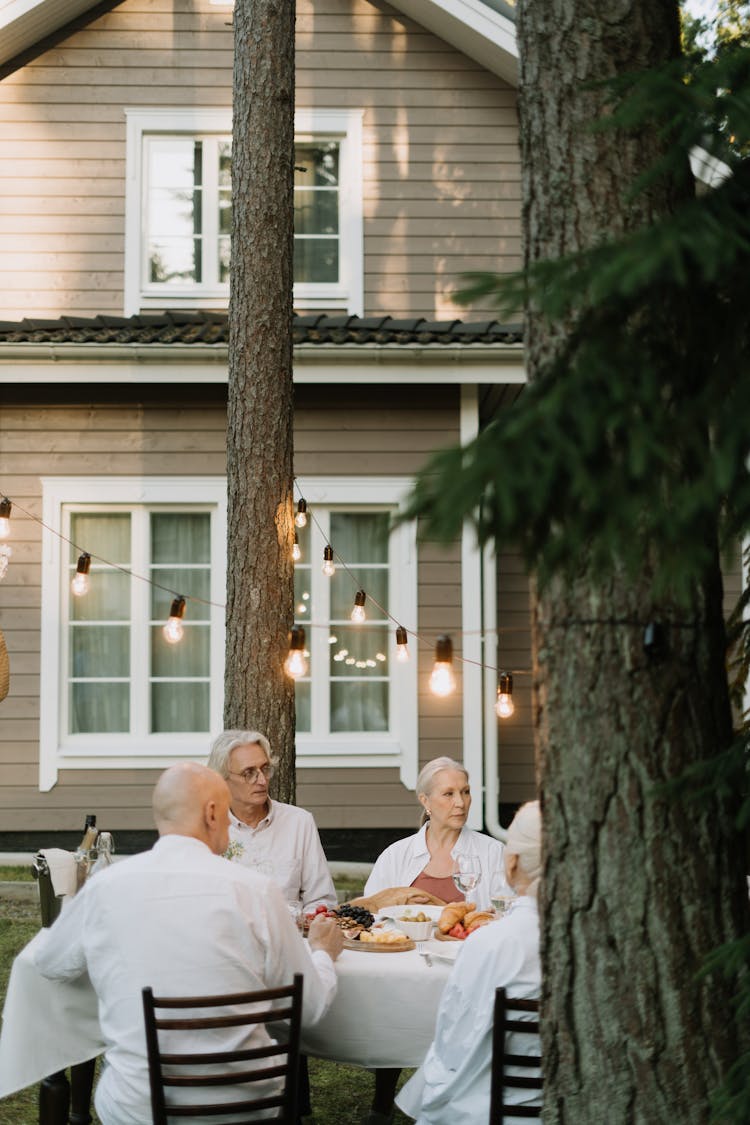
(453, 1083)
(278, 840)
(427, 860)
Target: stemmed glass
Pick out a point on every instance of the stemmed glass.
(467, 874)
(502, 894)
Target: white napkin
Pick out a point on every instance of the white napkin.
(62, 870)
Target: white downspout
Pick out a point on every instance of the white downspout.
(489, 659)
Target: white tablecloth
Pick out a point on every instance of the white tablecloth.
(383, 1015)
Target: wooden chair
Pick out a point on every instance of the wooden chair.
(212, 1071)
(506, 1020)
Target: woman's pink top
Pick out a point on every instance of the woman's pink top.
(445, 888)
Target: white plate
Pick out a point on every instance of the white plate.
(413, 909)
(443, 950)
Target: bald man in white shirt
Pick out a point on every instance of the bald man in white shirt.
(178, 915)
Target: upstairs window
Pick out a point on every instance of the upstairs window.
(179, 209)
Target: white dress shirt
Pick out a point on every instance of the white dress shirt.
(286, 847)
(453, 1083)
(186, 922)
(399, 864)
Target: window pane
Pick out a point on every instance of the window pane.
(100, 651)
(359, 706)
(102, 534)
(374, 583)
(189, 657)
(316, 165)
(316, 260)
(180, 537)
(302, 704)
(179, 707)
(99, 708)
(361, 537)
(316, 212)
(108, 598)
(174, 210)
(224, 258)
(360, 651)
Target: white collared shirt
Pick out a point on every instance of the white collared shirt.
(453, 1083)
(186, 922)
(399, 864)
(286, 846)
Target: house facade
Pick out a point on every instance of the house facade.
(115, 212)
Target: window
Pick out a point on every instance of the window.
(357, 704)
(119, 693)
(179, 209)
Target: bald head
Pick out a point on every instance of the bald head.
(192, 800)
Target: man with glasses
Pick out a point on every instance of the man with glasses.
(278, 840)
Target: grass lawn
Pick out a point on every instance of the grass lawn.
(340, 1094)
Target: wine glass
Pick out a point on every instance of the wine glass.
(502, 894)
(467, 874)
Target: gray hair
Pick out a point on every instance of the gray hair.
(429, 772)
(229, 740)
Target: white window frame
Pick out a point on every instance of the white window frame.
(399, 745)
(343, 124)
(57, 749)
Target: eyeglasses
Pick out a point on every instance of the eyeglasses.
(250, 776)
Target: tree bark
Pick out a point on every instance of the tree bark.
(260, 571)
(638, 886)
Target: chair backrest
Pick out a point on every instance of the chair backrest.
(218, 1067)
(509, 1018)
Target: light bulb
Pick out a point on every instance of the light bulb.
(442, 679)
(329, 568)
(402, 650)
(301, 518)
(80, 584)
(504, 705)
(295, 664)
(358, 612)
(173, 630)
(5, 508)
(296, 549)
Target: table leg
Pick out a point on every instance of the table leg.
(54, 1099)
(81, 1085)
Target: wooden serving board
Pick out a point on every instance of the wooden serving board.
(379, 947)
(446, 937)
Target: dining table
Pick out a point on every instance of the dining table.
(383, 1015)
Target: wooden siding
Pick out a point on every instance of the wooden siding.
(336, 432)
(441, 167)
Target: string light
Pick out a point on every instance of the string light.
(358, 612)
(504, 705)
(296, 550)
(173, 630)
(301, 518)
(402, 648)
(329, 568)
(5, 509)
(80, 584)
(442, 679)
(295, 664)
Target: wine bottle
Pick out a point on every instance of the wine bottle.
(82, 853)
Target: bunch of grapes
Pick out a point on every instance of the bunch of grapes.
(357, 914)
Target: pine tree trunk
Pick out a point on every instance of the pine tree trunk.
(639, 887)
(260, 574)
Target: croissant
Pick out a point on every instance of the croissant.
(476, 918)
(454, 912)
(396, 896)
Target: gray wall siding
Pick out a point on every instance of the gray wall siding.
(441, 167)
